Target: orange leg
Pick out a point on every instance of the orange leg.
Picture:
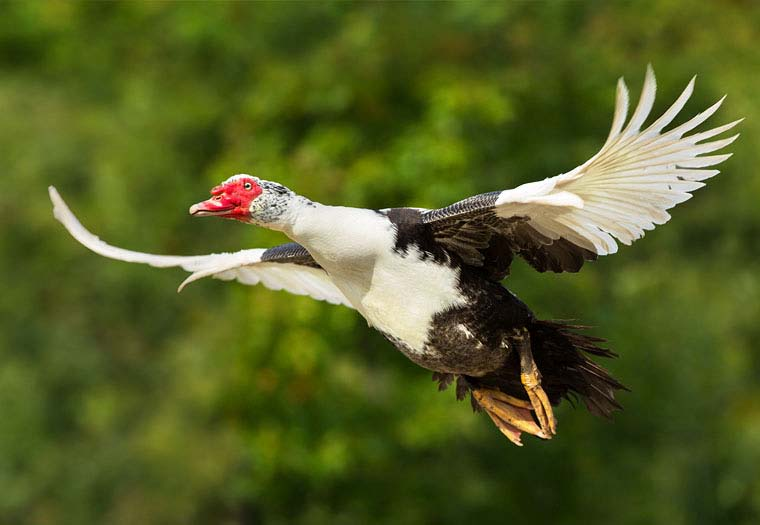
(530, 377)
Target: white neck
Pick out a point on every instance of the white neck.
(299, 209)
(338, 234)
(280, 212)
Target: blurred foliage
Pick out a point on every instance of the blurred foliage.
(123, 402)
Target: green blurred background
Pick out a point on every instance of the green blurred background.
(122, 402)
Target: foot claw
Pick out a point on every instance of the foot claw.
(510, 418)
(540, 403)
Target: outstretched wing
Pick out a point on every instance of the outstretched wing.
(286, 267)
(625, 189)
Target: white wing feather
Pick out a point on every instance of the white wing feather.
(629, 184)
(244, 266)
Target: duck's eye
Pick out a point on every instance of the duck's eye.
(248, 186)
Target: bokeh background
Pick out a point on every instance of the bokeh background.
(122, 402)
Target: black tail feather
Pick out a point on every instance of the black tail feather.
(561, 354)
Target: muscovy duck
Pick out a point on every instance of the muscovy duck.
(429, 280)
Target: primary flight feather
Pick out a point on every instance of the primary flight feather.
(428, 280)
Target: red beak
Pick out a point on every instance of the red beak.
(219, 204)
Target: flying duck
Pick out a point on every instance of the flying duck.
(429, 280)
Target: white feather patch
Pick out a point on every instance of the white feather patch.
(244, 266)
(626, 187)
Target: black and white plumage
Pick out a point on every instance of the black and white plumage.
(429, 279)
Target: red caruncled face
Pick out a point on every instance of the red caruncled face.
(231, 199)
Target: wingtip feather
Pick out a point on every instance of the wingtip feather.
(59, 206)
(649, 72)
(187, 281)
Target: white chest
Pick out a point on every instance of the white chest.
(397, 293)
(404, 294)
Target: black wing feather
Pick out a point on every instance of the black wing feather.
(290, 252)
(471, 229)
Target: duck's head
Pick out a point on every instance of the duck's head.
(248, 199)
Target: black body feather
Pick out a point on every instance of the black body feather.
(472, 342)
